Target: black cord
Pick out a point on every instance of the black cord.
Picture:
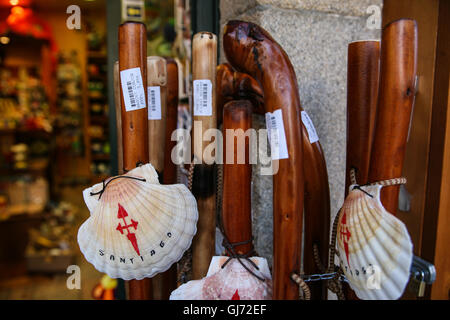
(115, 178)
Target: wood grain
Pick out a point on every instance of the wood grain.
(398, 68)
(234, 85)
(133, 54)
(204, 62)
(252, 50)
(362, 97)
(237, 175)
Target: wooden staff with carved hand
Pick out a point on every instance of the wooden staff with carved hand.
(252, 50)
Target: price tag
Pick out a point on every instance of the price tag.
(133, 89)
(277, 135)
(154, 103)
(312, 133)
(202, 98)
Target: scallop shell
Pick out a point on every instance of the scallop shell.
(233, 282)
(375, 250)
(137, 228)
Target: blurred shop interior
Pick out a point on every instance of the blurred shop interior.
(56, 136)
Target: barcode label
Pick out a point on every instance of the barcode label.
(154, 103)
(276, 135)
(312, 133)
(202, 98)
(133, 89)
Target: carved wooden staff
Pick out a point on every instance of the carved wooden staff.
(157, 100)
(133, 74)
(398, 69)
(169, 278)
(234, 85)
(237, 176)
(204, 63)
(252, 50)
(362, 97)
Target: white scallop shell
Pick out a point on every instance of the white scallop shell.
(233, 282)
(137, 229)
(375, 250)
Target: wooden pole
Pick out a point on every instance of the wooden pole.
(237, 175)
(234, 85)
(204, 64)
(362, 97)
(157, 101)
(169, 278)
(132, 55)
(398, 69)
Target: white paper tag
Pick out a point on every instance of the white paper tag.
(133, 89)
(202, 98)
(154, 103)
(312, 133)
(276, 134)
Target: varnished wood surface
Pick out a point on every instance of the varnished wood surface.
(204, 62)
(398, 68)
(252, 50)
(237, 175)
(133, 54)
(362, 97)
(234, 85)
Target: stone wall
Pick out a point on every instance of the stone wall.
(315, 34)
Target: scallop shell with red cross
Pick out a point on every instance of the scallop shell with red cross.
(137, 227)
(232, 282)
(375, 250)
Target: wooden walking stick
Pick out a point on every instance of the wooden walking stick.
(398, 69)
(169, 278)
(252, 50)
(157, 101)
(133, 94)
(204, 61)
(157, 98)
(362, 97)
(237, 176)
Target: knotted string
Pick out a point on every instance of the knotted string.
(229, 247)
(112, 179)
